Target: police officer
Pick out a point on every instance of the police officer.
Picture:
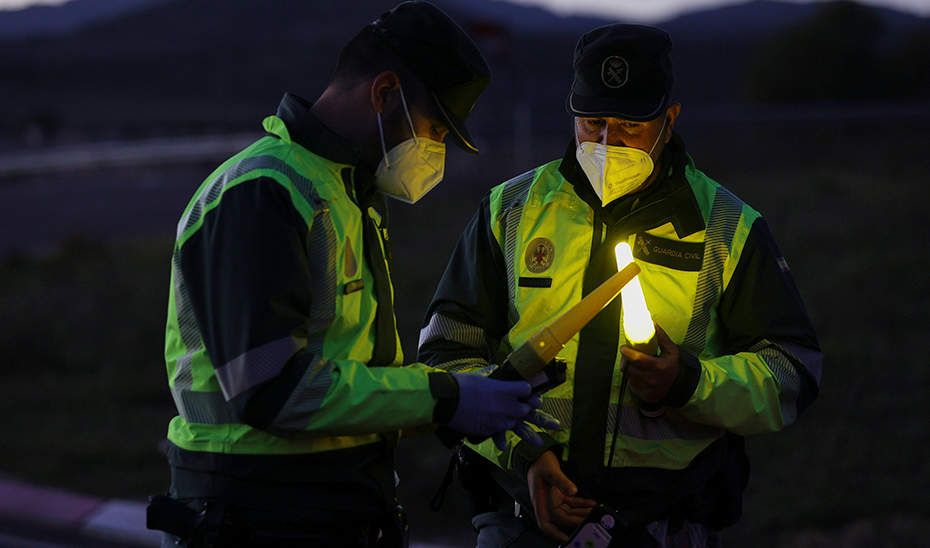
(281, 341)
(651, 441)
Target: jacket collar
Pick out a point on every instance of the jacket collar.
(668, 199)
(311, 133)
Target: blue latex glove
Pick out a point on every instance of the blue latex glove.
(537, 417)
(489, 407)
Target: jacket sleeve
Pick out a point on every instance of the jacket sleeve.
(468, 315)
(771, 367)
(248, 275)
(467, 320)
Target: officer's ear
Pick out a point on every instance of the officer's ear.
(382, 85)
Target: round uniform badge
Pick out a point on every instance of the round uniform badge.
(539, 255)
(615, 71)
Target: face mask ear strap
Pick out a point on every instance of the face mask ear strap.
(661, 131)
(383, 148)
(407, 112)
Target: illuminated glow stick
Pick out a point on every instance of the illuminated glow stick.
(637, 321)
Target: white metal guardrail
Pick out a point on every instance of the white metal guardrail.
(162, 151)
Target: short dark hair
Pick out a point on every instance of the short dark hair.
(365, 56)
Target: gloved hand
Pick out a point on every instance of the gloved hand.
(488, 408)
(537, 417)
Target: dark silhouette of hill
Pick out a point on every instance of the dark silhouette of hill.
(50, 20)
(186, 65)
(209, 65)
(750, 18)
(761, 19)
(75, 14)
(754, 17)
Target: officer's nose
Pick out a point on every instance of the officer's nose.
(615, 139)
(614, 135)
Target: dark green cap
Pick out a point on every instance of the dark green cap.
(442, 56)
(622, 71)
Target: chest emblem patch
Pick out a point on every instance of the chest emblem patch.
(539, 255)
(351, 263)
(675, 254)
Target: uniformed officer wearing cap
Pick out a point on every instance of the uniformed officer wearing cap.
(281, 343)
(651, 453)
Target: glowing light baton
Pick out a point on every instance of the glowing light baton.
(637, 321)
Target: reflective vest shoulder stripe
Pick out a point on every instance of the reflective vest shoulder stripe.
(198, 406)
(718, 237)
(506, 213)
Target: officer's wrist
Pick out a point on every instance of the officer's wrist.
(445, 391)
(526, 454)
(685, 383)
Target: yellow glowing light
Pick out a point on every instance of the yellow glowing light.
(637, 322)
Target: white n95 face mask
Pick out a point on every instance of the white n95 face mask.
(615, 171)
(411, 169)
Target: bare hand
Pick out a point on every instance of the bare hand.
(554, 499)
(651, 377)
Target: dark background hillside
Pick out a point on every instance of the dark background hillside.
(196, 66)
(112, 113)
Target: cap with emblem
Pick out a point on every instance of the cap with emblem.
(622, 71)
(442, 56)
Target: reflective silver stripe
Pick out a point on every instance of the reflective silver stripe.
(634, 424)
(306, 398)
(462, 365)
(254, 367)
(183, 380)
(211, 407)
(513, 198)
(724, 218)
(215, 188)
(187, 323)
(665, 427)
(205, 407)
(322, 267)
(191, 405)
(444, 328)
(786, 373)
(810, 359)
(560, 408)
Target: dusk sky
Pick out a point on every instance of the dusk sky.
(657, 10)
(654, 10)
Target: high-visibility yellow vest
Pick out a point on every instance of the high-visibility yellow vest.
(340, 322)
(541, 208)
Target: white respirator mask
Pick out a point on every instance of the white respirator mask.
(615, 171)
(411, 169)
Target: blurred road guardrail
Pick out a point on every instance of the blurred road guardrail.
(162, 151)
